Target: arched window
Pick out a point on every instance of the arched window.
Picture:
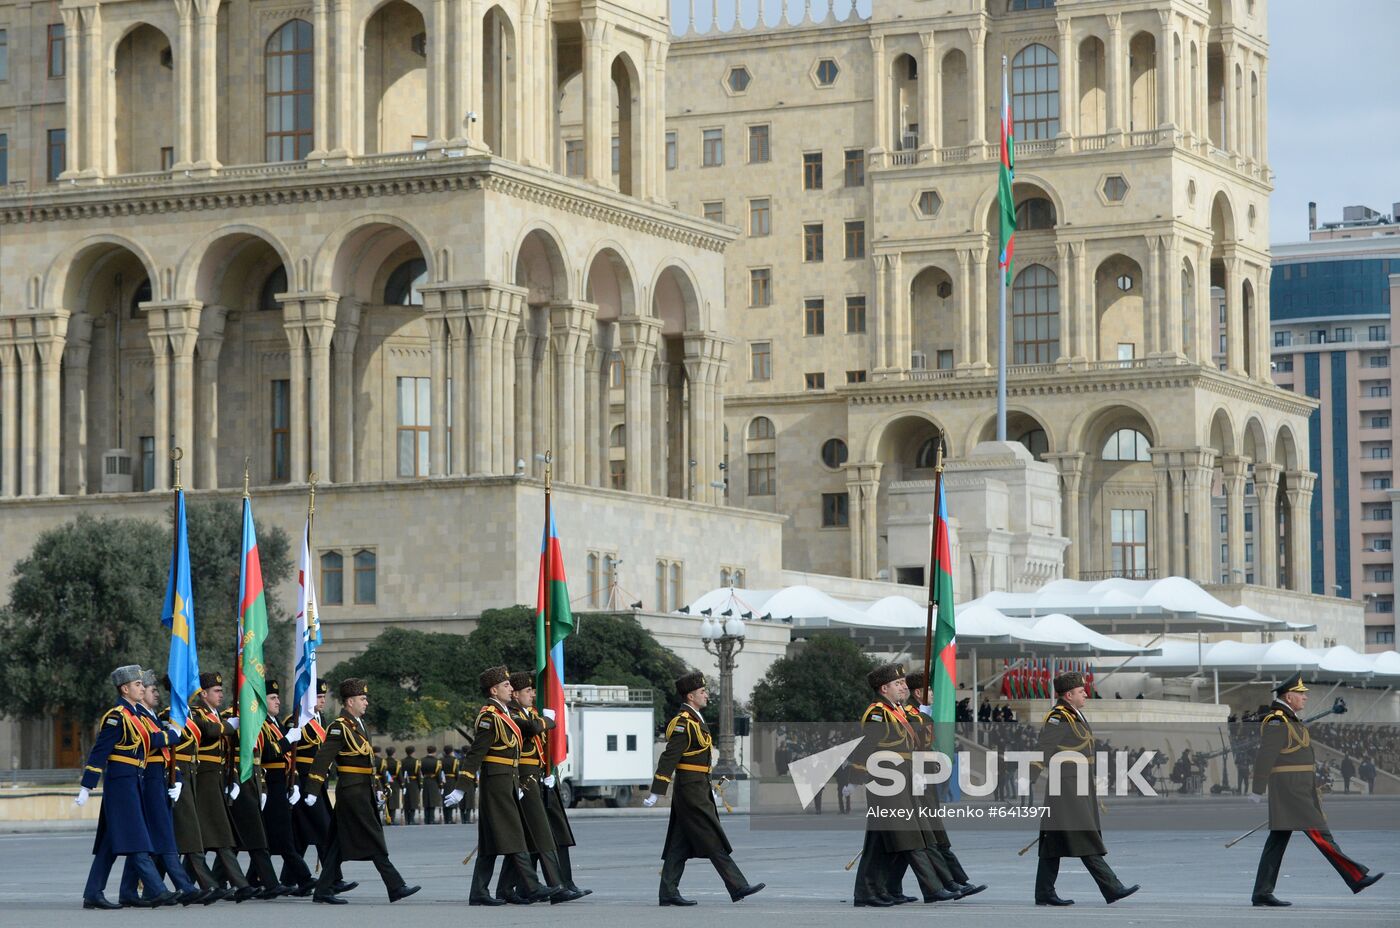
(275, 283)
(762, 428)
(366, 589)
(142, 295)
(288, 105)
(1035, 93)
(402, 288)
(1035, 214)
(1035, 316)
(1036, 441)
(927, 456)
(332, 578)
(618, 439)
(1127, 445)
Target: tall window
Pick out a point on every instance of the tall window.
(760, 216)
(1129, 540)
(668, 585)
(855, 239)
(4, 159)
(573, 157)
(836, 510)
(58, 152)
(812, 170)
(616, 371)
(617, 475)
(415, 425)
(595, 577)
(712, 147)
(761, 286)
(57, 41)
(616, 155)
(281, 431)
(671, 153)
(332, 578)
(148, 462)
(763, 473)
(4, 55)
(855, 167)
(855, 315)
(288, 104)
(761, 361)
(713, 210)
(759, 152)
(1035, 93)
(366, 588)
(1035, 316)
(814, 316)
(813, 242)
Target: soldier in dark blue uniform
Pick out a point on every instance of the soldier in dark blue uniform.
(1286, 768)
(118, 759)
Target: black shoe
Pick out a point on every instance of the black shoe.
(245, 892)
(403, 892)
(970, 889)
(136, 903)
(749, 890)
(330, 900)
(581, 892)
(545, 892)
(1366, 881)
(485, 900)
(1054, 900)
(875, 902)
(676, 900)
(304, 890)
(514, 898)
(272, 892)
(190, 897)
(1122, 894)
(101, 902)
(901, 899)
(568, 895)
(344, 887)
(215, 894)
(1269, 899)
(942, 895)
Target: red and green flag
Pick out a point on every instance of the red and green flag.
(251, 671)
(554, 621)
(1006, 201)
(944, 678)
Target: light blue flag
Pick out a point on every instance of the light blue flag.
(178, 616)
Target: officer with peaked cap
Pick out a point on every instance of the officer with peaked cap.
(1286, 768)
(694, 829)
(118, 759)
(1072, 828)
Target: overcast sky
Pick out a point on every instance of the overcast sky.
(1334, 97)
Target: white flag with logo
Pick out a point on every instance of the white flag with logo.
(308, 636)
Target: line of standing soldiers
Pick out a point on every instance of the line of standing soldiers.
(414, 785)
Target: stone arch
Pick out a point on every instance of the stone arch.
(334, 267)
(904, 78)
(394, 88)
(1254, 445)
(1092, 86)
(190, 277)
(1248, 311)
(953, 105)
(1286, 449)
(676, 299)
(143, 95)
(1083, 430)
(68, 279)
(626, 88)
(985, 217)
(500, 82)
(610, 282)
(898, 430)
(541, 263)
(1116, 514)
(1142, 82)
(1119, 307)
(1021, 422)
(934, 316)
(1222, 435)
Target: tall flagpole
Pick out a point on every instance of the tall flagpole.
(1001, 314)
(546, 600)
(933, 570)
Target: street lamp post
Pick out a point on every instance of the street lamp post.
(724, 638)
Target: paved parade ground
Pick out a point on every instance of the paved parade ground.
(1187, 877)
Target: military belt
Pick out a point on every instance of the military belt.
(696, 768)
(508, 761)
(1293, 768)
(122, 759)
(363, 770)
(276, 765)
(189, 758)
(212, 758)
(529, 762)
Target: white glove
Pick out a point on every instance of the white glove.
(177, 729)
(233, 790)
(293, 736)
(309, 799)
(1256, 798)
(294, 796)
(549, 781)
(548, 713)
(714, 796)
(650, 800)
(262, 801)
(232, 722)
(175, 791)
(519, 793)
(920, 784)
(82, 797)
(454, 797)
(379, 797)
(1023, 786)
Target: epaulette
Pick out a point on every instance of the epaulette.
(874, 713)
(113, 716)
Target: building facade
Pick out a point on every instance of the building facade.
(859, 164)
(1334, 341)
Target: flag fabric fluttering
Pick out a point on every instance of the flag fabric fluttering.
(1006, 200)
(252, 632)
(308, 634)
(554, 622)
(178, 615)
(944, 676)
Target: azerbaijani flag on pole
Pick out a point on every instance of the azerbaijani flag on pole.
(308, 635)
(554, 621)
(252, 632)
(944, 679)
(1006, 201)
(178, 615)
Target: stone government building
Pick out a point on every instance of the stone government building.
(410, 246)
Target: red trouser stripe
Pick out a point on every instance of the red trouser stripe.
(1338, 859)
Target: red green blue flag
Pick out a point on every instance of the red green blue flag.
(554, 621)
(944, 679)
(1006, 201)
(252, 632)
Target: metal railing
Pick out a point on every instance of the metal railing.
(1133, 573)
(15, 778)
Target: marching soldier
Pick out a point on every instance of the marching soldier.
(161, 786)
(393, 772)
(1072, 828)
(278, 765)
(953, 882)
(211, 793)
(412, 785)
(1286, 768)
(356, 833)
(311, 825)
(188, 840)
(430, 774)
(245, 808)
(451, 764)
(892, 838)
(492, 767)
(118, 758)
(539, 834)
(694, 829)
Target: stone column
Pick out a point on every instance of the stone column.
(438, 352)
(209, 347)
(1069, 71)
(879, 73)
(595, 412)
(570, 333)
(493, 312)
(438, 89)
(1166, 72)
(321, 143)
(977, 75)
(1263, 312)
(75, 403)
(966, 310)
(1085, 322)
(929, 134)
(651, 156)
(1264, 111)
(296, 366)
(979, 308)
(1171, 291)
(597, 113)
(1152, 295)
(704, 361)
(1116, 82)
(186, 97)
(1070, 336)
(1266, 523)
(94, 95)
(206, 106)
(343, 71)
(9, 418)
(1234, 316)
(347, 332)
(1179, 538)
(1300, 492)
(160, 427)
(504, 394)
(1230, 58)
(1161, 514)
(1199, 467)
(29, 417)
(49, 347)
(320, 319)
(75, 119)
(660, 416)
(639, 336)
(1204, 326)
(880, 316)
(1071, 467)
(541, 395)
(182, 329)
(863, 486)
(1236, 471)
(525, 347)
